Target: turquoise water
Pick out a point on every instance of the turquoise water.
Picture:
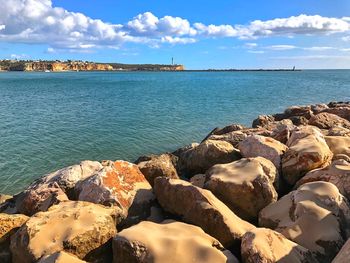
(51, 120)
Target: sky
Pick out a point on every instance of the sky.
(198, 34)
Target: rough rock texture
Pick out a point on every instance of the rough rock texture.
(9, 224)
(307, 150)
(339, 145)
(338, 173)
(342, 111)
(263, 245)
(79, 228)
(256, 145)
(198, 180)
(316, 216)
(281, 130)
(338, 131)
(344, 254)
(200, 207)
(61, 257)
(4, 198)
(205, 155)
(245, 186)
(326, 120)
(170, 241)
(154, 166)
(295, 113)
(262, 121)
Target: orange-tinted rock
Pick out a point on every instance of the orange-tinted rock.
(326, 120)
(342, 111)
(61, 257)
(339, 145)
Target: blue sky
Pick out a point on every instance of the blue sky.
(198, 34)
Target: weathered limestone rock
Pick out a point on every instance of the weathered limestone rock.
(256, 145)
(338, 131)
(39, 198)
(205, 155)
(79, 228)
(339, 145)
(263, 245)
(263, 121)
(326, 120)
(338, 173)
(200, 207)
(318, 108)
(342, 111)
(170, 241)
(198, 180)
(281, 130)
(154, 166)
(61, 257)
(316, 216)
(122, 185)
(307, 150)
(294, 112)
(9, 224)
(245, 186)
(344, 254)
(183, 149)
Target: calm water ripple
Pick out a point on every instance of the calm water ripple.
(51, 120)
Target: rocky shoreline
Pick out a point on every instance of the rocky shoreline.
(276, 192)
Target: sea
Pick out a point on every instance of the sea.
(52, 120)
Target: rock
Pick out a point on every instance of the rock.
(326, 120)
(263, 121)
(79, 228)
(61, 257)
(344, 254)
(307, 151)
(122, 185)
(155, 166)
(338, 131)
(39, 198)
(338, 173)
(4, 198)
(256, 145)
(170, 241)
(263, 245)
(226, 129)
(282, 130)
(318, 108)
(295, 111)
(335, 104)
(316, 216)
(9, 224)
(181, 150)
(339, 145)
(201, 158)
(198, 180)
(200, 207)
(343, 112)
(245, 186)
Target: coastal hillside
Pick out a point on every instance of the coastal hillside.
(59, 66)
(277, 191)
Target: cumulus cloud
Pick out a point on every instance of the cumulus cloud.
(38, 21)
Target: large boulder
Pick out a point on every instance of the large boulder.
(263, 245)
(200, 207)
(342, 111)
(61, 257)
(154, 166)
(326, 120)
(307, 150)
(337, 173)
(79, 228)
(256, 145)
(339, 145)
(338, 131)
(245, 186)
(263, 121)
(122, 185)
(9, 224)
(169, 241)
(344, 254)
(295, 113)
(210, 152)
(282, 130)
(316, 216)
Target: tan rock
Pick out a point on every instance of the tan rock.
(342, 111)
(282, 130)
(263, 121)
(338, 131)
(79, 228)
(316, 216)
(326, 120)
(198, 180)
(307, 151)
(200, 207)
(4, 198)
(61, 257)
(170, 241)
(339, 145)
(154, 166)
(245, 186)
(337, 173)
(256, 145)
(205, 155)
(263, 245)
(344, 254)
(122, 185)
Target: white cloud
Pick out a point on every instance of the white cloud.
(19, 56)
(38, 21)
(318, 48)
(346, 38)
(281, 47)
(256, 51)
(250, 45)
